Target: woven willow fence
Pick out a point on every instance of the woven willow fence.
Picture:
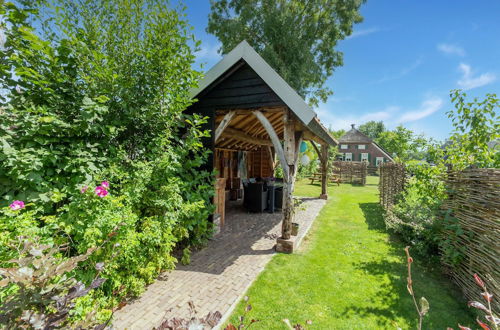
(474, 201)
(392, 182)
(350, 172)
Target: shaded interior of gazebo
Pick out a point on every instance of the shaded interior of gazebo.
(254, 129)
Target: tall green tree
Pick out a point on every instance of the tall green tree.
(297, 38)
(403, 143)
(372, 129)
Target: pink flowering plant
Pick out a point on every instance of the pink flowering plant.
(17, 205)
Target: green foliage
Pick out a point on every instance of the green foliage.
(476, 124)
(350, 251)
(186, 256)
(372, 129)
(416, 214)
(42, 292)
(97, 93)
(338, 134)
(297, 38)
(403, 144)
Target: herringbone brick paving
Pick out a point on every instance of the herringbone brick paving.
(218, 274)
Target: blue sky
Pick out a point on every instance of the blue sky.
(402, 61)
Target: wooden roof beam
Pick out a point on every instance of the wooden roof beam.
(240, 135)
(224, 124)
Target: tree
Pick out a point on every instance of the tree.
(372, 129)
(402, 143)
(476, 127)
(337, 134)
(297, 38)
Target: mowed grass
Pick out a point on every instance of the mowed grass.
(350, 274)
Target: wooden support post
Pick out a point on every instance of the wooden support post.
(324, 171)
(298, 140)
(289, 148)
(317, 150)
(275, 140)
(287, 158)
(224, 124)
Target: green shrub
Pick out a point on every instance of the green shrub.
(415, 216)
(97, 93)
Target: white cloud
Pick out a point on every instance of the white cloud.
(208, 51)
(336, 122)
(451, 49)
(403, 72)
(469, 82)
(363, 32)
(427, 108)
(391, 115)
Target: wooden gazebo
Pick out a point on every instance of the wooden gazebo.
(252, 109)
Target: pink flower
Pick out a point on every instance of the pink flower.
(105, 184)
(84, 189)
(16, 205)
(101, 191)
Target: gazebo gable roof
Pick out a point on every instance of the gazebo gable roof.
(278, 85)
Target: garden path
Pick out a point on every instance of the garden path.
(219, 274)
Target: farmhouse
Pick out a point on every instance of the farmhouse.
(356, 146)
(258, 123)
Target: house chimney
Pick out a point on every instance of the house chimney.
(352, 125)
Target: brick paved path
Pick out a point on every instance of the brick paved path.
(219, 274)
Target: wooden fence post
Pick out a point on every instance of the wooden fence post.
(324, 171)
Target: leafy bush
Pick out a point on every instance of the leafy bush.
(41, 291)
(95, 93)
(416, 215)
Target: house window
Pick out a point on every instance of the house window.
(344, 146)
(348, 157)
(379, 160)
(364, 157)
(361, 147)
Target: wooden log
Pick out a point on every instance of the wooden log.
(298, 141)
(275, 140)
(239, 135)
(289, 139)
(317, 149)
(324, 171)
(223, 124)
(289, 150)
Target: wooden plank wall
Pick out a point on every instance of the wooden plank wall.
(226, 163)
(259, 164)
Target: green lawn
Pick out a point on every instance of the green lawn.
(350, 274)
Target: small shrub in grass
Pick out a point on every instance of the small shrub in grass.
(243, 322)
